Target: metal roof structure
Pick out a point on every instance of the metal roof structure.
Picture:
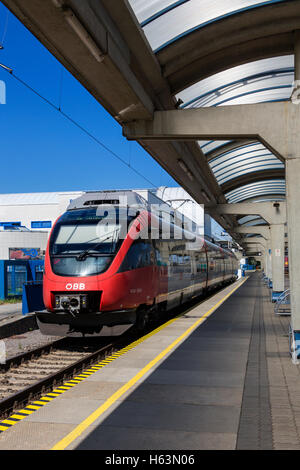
(251, 220)
(150, 63)
(36, 198)
(165, 24)
(262, 80)
(138, 57)
(257, 190)
(166, 21)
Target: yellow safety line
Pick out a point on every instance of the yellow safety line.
(67, 440)
(36, 405)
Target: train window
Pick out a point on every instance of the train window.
(173, 259)
(70, 266)
(187, 263)
(201, 264)
(140, 255)
(162, 252)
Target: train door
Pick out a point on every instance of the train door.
(222, 265)
(211, 266)
(188, 277)
(228, 267)
(200, 272)
(161, 270)
(139, 264)
(176, 272)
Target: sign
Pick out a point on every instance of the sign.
(277, 252)
(24, 253)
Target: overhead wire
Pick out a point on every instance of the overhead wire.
(76, 123)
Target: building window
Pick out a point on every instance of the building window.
(10, 224)
(41, 224)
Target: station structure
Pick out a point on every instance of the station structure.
(211, 90)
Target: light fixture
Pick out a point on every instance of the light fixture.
(190, 175)
(184, 167)
(81, 32)
(58, 3)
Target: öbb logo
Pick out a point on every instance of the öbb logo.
(75, 286)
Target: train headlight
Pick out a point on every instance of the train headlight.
(83, 302)
(57, 301)
(71, 303)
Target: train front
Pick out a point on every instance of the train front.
(82, 256)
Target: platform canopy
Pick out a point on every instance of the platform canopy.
(142, 57)
(166, 21)
(186, 37)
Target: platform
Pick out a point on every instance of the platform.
(10, 310)
(218, 377)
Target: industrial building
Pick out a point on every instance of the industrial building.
(35, 211)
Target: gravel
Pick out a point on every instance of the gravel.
(19, 344)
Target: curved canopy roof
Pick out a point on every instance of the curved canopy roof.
(244, 170)
(161, 55)
(251, 220)
(165, 21)
(259, 81)
(256, 190)
(245, 159)
(263, 80)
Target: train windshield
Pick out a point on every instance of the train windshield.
(84, 243)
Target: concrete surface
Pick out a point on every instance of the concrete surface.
(183, 402)
(8, 310)
(229, 385)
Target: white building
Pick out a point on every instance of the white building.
(15, 244)
(26, 220)
(36, 211)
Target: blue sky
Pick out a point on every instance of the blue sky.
(40, 149)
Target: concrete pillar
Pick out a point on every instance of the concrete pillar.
(292, 171)
(293, 215)
(277, 253)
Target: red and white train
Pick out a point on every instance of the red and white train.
(95, 277)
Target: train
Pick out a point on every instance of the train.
(112, 260)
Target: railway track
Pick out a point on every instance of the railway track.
(26, 377)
